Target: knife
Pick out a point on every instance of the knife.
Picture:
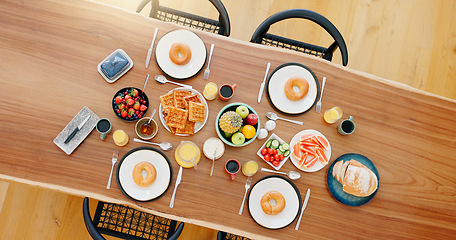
(150, 49)
(304, 204)
(262, 84)
(178, 180)
(77, 129)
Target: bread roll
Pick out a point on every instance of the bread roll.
(355, 178)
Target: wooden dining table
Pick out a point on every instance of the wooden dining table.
(49, 53)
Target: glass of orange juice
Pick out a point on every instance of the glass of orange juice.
(332, 115)
(188, 154)
(210, 91)
(249, 168)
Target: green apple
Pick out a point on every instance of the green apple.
(238, 138)
(227, 134)
(243, 111)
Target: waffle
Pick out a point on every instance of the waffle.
(188, 129)
(179, 98)
(176, 117)
(196, 112)
(191, 98)
(167, 100)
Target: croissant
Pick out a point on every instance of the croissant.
(355, 178)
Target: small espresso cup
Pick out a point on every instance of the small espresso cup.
(226, 91)
(347, 126)
(103, 127)
(232, 167)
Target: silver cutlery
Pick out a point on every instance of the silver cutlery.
(247, 186)
(178, 180)
(115, 155)
(165, 146)
(273, 116)
(149, 52)
(304, 204)
(162, 79)
(318, 107)
(150, 119)
(76, 130)
(260, 94)
(207, 71)
(213, 160)
(293, 175)
(145, 82)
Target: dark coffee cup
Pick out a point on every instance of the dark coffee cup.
(232, 167)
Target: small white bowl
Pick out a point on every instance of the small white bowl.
(273, 136)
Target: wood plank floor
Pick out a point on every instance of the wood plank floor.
(411, 42)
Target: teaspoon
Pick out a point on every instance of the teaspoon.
(291, 174)
(162, 79)
(165, 146)
(273, 116)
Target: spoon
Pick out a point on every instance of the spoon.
(273, 116)
(213, 160)
(162, 79)
(291, 174)
(165, 146)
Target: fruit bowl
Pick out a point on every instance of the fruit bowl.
(121, 107)
(226, 137)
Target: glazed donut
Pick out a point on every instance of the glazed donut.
(180, 53)
(266, 205)
(138, 177)
(301, 83)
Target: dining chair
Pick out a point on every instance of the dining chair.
(228, 236)
(128, 223)
(262, 37)
(220, 26)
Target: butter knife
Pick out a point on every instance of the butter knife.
(149, 53)
(304, 204)
(260, 94)
(178, 180)
(76, 130)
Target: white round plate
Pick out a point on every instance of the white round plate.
(198, 125)
(318, 165)
(276, 85)
(125, 174)
(180, 72)
(292, 202)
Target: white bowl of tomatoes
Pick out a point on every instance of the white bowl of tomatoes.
(275, 151)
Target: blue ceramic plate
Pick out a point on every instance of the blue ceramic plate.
(335, 187)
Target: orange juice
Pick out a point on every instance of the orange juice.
(332, 115)
(249, 168)
(120, 138)
(210, 91)
(187, 154)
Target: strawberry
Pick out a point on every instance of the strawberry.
(131, 111)
(121, 106)
(143, 108)
(127, 97)
(134, 92)
(123, 113)
(136, 105)
(130, 102)
(118, 99)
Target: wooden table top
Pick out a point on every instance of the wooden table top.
(50, 50)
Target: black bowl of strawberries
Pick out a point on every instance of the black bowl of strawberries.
(130, 104)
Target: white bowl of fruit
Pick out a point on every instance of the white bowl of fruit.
(237, 124)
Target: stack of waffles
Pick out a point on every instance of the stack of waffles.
(181, 110)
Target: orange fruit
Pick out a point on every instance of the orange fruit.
(248, 131)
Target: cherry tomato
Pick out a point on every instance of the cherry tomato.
(282, 157)
(267, 157)
(271, 151)
(276, 157)
(276, 163)
(264, 151)
(275, 151)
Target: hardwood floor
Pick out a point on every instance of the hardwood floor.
(411, 42)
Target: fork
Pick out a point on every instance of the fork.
(247, 186)
(115, 155)
(207, 71)
(318, 107)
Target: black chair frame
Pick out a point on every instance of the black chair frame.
(222, 26)
(228, 236)
(262, 37)
(132, 224)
